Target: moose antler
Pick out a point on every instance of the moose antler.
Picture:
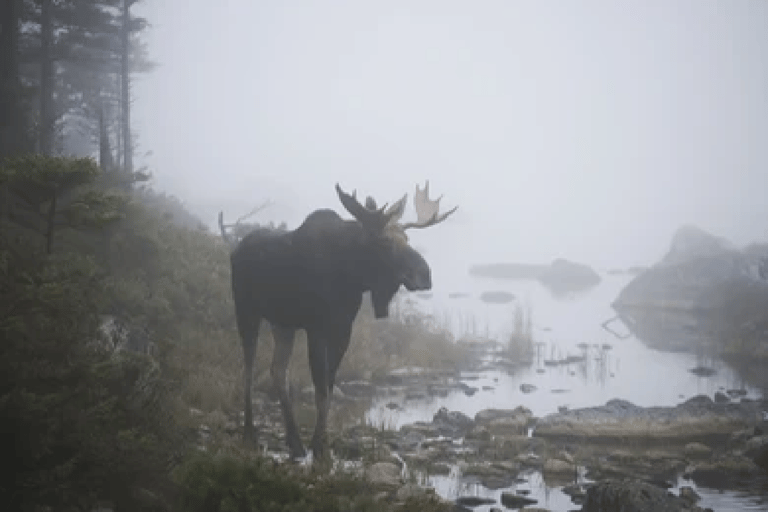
(371, 218)
(427, 210)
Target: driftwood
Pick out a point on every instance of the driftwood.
(231, 232)
(627, 322)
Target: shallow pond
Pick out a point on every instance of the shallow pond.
(563, 326)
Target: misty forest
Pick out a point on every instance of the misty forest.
(381, 256)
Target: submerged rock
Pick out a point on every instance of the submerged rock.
(474, 501)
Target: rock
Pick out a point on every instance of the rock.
(358, 388)
(697, 451)
(703, 371)
(494, 482)
(527, 388)
(439, 468)
(409, 439)
(630, 496)
(577, 492)
(757, 450)
(384, 474)
(413, 491)
(507, 270)
(479, 433)
(688, 494)
(620, 421)
(497, 297)
(474, 501)
(668, 306)
(452, 423)
(511, 500)
(503, 419)
(721, 398)
(559, 466)
(566, 276)
(724, 471)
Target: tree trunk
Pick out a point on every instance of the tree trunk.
(125, 87)
(47, 116)
(12, 128)
(105, 151)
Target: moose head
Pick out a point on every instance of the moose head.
(391, 261)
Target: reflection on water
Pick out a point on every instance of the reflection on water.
(533, 486)
(607, 368)
(577, 363)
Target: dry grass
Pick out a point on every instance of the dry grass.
(520, 345)
(211, 363)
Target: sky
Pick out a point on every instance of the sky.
(589, 129)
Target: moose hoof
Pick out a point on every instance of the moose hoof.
(297, 452)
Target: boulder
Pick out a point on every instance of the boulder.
(673, 298)
(566, 276)
(452, 423)
(632, 496)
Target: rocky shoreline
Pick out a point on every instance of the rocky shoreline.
(595, 454)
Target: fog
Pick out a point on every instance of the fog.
(589, 130)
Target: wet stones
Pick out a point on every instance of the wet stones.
(757, 450)
(697, 451)
(632, 495)
(619, 420)
(725, 471)
(512, 500)
(474, 501)
(505, 421)
(451, 423)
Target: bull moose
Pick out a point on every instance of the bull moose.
(313, 278)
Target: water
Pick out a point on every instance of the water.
(614, 368)
(563, 326)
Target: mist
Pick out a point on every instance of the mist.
(589, 130)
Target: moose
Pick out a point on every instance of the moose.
(314, 278)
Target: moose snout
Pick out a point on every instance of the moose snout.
(418, 279)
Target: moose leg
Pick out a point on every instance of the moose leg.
(249, 335)
(320, 367)
(284, 338)
(336, 351)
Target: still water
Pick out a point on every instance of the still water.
(563, 325)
